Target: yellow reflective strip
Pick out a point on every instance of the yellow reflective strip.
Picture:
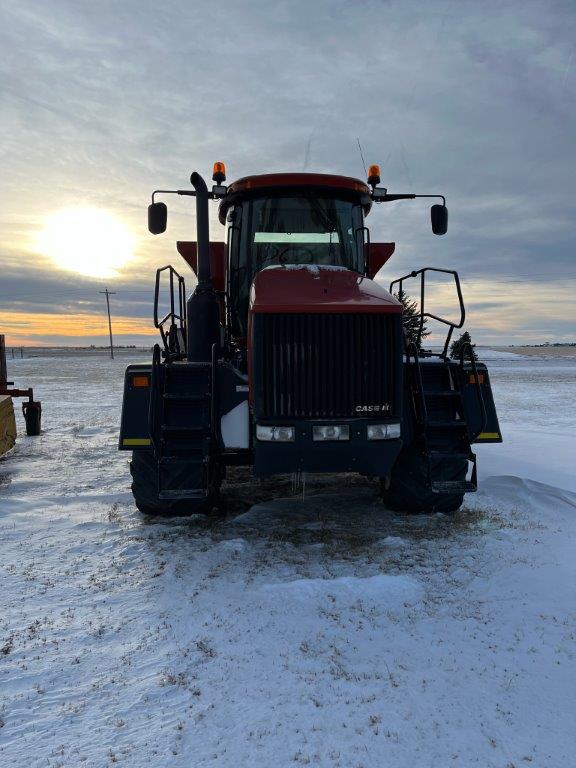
(136, 441)
(488, 436)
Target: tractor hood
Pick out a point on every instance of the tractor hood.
(318, 288)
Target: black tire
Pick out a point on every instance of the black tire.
(409, 491)
(144, 471)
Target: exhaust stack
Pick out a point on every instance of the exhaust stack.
(202, 229)
(202, 312)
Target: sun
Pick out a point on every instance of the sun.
(89, 241)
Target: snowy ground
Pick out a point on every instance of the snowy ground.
(323, 632)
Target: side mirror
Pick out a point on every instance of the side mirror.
(157, 218)
(439, 218)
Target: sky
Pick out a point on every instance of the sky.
(102, 102)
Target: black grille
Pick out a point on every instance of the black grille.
(325, 365)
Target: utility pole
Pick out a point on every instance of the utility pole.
(108, 293)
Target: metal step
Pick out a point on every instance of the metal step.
(454, 423)
(192, 372)
(178, 445)
(171, 459)
(180, 396)
(184, 493)
(452, 486)
(441, 393)
(185, 429)
(450, 455)
(435, 372)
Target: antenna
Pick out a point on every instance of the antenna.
(362, 156)
(307, 154)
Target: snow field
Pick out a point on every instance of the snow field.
(322, 632)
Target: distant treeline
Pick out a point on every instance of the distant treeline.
(548, 344)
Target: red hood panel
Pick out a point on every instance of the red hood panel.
(318, 288)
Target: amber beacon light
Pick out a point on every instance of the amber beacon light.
(219, 173)
(373, 175)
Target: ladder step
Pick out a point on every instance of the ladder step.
(452, 486)
(170, 459)
(450, 455)
(177, 396)
(441, 393)
(453, 423)
(185, 430)
(184, 493)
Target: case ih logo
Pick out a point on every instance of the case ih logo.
(373, 408)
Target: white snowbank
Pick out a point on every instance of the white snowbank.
(543, 455)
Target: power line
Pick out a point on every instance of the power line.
(108, 294)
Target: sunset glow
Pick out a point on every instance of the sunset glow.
(88, 241)
(41, 329)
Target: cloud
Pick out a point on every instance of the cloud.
(103, 102)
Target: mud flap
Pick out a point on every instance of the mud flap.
(490, 432)
(134, 428)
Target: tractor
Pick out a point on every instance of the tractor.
(289, 357)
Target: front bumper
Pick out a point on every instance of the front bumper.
(358, 454)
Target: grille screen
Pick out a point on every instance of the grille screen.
(324, 365)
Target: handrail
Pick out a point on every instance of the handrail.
(154, 387)
(230, 244)
(177, 319)
(411, 347)
(423, 314)
(468, 346)
(215, 426)
(365, 244)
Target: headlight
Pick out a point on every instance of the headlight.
(383, 431)
(275, 434)
(331, 432)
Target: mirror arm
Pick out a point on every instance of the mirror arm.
(390, 198)
(187, 192)
(440, 196)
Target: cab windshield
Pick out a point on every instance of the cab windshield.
(297, 229)
(304, 230)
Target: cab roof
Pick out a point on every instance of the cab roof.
(253, 186)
